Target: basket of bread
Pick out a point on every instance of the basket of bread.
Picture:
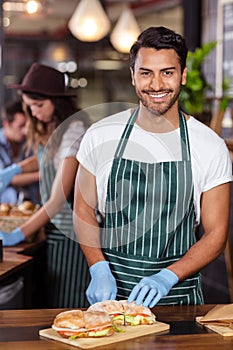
(12, 216)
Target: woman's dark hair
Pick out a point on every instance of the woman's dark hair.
(160, 38)
(39, 132)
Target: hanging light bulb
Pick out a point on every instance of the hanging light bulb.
(32, 6)
(89, 22)
(125, 32)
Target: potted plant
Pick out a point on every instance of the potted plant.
(193, 95)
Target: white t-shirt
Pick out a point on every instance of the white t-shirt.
(70, 142)
(211, 164)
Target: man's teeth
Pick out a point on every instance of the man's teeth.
(158, 95)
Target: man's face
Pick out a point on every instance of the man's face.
(16, 130)
(157, 79)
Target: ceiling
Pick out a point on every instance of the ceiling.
(28, 38)
(52, 19)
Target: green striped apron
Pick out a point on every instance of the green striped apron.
(149, 221)
(67, 269)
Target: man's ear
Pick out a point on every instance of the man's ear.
(184, 76)
(132, 76)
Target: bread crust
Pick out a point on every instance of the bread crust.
(5, 209)
(110, 306)
(133, 309)
(26, 205)
(70, 319)
(95, 319)
(26, 209)
(83, 323)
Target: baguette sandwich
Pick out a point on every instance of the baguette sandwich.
(83, 324)
(114, 309)
(137, 314)
(124, 313)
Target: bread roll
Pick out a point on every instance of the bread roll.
(70, 319)
(95, 319)
(5, 209)
(113, 307)
(83, 324)
(26, 205)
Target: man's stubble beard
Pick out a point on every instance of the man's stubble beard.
(158, 111)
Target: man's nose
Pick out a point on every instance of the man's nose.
(156, 82)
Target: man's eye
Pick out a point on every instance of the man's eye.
(167, 73)
(146, 73)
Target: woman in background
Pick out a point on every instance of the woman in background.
(55, 130)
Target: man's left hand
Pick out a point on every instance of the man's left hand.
(151, 289)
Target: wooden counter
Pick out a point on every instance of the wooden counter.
(12, 263)
(19, 330)
(26, 260)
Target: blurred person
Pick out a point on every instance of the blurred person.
(51, 111)
(12, 150)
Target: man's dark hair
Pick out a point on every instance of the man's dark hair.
(160, 38)
(10, 109)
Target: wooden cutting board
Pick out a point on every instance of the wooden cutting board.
(224, 331)
(131, 332)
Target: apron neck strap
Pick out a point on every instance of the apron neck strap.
(184, 137)
(126, 133)
(129, 126)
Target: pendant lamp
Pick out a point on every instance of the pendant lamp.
(125, 32)
(89, 21)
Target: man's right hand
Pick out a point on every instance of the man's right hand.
(103, 284)
(7, 174)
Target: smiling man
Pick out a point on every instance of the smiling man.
(153, 173)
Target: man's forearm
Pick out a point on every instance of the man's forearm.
(29, 165)
(215, 212)
(25, 179)
(88, 235)
(85, 222)
(198, 256)
(93, 255)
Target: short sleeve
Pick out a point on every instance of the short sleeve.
(86, 154)
(220, 168)
(70, 142)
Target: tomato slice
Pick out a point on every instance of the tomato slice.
(69, 333)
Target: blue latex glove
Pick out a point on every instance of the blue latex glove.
(103, 284)
(151, 289)
(12, 238)
(7, 174)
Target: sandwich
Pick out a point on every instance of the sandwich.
(137, 314)
(124, 313)
(114, 309)
(83, 324)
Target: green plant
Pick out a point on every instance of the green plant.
(226, 97)
(193, 95)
